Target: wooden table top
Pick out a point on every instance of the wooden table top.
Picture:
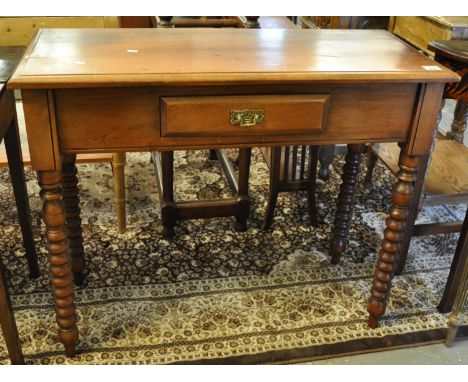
(9, 58)
(59, 58)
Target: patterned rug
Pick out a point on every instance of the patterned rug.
(214, 295)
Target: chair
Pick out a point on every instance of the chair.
(446, 181)
(291, 169)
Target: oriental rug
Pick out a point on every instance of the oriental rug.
(214, 295)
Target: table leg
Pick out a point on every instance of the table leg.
(402, 195)
(60, 268)
(73, 220)
(168, 206)
(243, 200)
(18, 181)
(345, 201)
(413, 211)
(118, 167)
(459, 121)
(457, 269)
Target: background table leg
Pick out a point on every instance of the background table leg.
(73, 221)
(344, 207)
(18, 181)
(396, 223)
(60, 267)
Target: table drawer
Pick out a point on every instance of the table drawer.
(243, 115)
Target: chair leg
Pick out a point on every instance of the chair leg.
(327, 153)
(8, 324)
(15, 164)
(459, 264)
(213, 155)
(311, 203)
(243, 199)
(118, 167)
(275, 167)
(168, 205)
(371, 162)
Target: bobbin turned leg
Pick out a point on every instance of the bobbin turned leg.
(390, 246)
(344, 207)
(73, 221)
(243, 200)
(168, 206)
(60, 268)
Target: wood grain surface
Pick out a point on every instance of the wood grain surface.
(113, 57)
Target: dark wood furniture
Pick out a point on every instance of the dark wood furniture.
(291, 169)
(20, 30)
(239, 204)
(419, 31)
(447, 177)
(251, 87)
(458, 283)
(9, 58)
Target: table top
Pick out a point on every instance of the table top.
(456, 50)
(9, 58)
(59, 58)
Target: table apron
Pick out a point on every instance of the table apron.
(132, 118)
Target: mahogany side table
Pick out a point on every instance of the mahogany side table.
(181, 89)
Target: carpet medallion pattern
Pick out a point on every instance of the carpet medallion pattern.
(212, 293)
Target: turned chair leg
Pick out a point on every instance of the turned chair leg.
(18, 180)
(118, 167)
(275, 168)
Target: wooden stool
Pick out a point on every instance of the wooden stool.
(447, 176)
(289, 172)
(237, 206)
(172, 211)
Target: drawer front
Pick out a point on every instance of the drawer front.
(243, 115)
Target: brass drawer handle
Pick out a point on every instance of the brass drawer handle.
(247, 117)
